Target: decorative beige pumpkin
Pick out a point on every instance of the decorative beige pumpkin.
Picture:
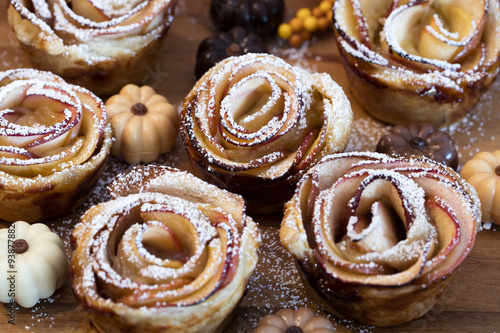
(483, 172)
(32, 263)
(289, 321)
(146, 124)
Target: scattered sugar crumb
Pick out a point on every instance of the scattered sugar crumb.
(487, 226)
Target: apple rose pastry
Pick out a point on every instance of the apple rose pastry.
(378, 238)
(55, 139)
(170, 253)
(253, 124)
(418, 61)
(101, 45)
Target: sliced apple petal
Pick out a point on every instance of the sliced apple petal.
(448, 230)
(51, 122)
(400, 278)
(376, 235)
(178, 225)
(437, 44)
(194, 292)
(258, 117)
(11, 152)
(163, 243)
(89, 10)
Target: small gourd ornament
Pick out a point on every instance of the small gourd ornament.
(421, 140)
(145, 123)
(303, 320)
(483, 173)
(32, 263)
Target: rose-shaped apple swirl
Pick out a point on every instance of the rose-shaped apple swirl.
(51, 132)
(253, 124)
(378, 237)
(170, 253)
(46, 127)
(101, 45)
(418, 61)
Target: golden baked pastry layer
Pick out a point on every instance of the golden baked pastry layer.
(483, 172)
(100, 45)
(54, 141)
(418, 61)
(253, 124)
(170, 253)
(377, 238)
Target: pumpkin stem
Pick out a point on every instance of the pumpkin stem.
(139, 109)
(294, 329)
(497, 170)
(234, 50)
(417, 143)
(20, 246)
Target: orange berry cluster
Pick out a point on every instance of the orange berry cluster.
(306, 22)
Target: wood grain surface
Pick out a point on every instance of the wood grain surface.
(470, 304)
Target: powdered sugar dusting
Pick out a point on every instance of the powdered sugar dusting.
(412, 187)
(474, 133)
(112, 28)
(217, 247)
(267, 141)
(392, 31)
(365, 133)
(480, 128)
(52, 135)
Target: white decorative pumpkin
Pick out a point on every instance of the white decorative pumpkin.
(32, 263)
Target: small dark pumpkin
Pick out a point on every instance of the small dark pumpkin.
(424, 140)
(226, 44)
(258, 16)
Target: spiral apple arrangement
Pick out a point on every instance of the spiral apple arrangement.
(54, 141)
(418, 61)
(168, 242)
(378, 237)
(254, 123)
(101, 45)
(46, 126)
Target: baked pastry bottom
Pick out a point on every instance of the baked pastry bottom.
(39, 198)
(370, 305)
(105, 77)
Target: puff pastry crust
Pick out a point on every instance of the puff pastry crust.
(253, 124)
(377, 238)
(55, 139)
(100, 45)
(170, 253)
(418, 61)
